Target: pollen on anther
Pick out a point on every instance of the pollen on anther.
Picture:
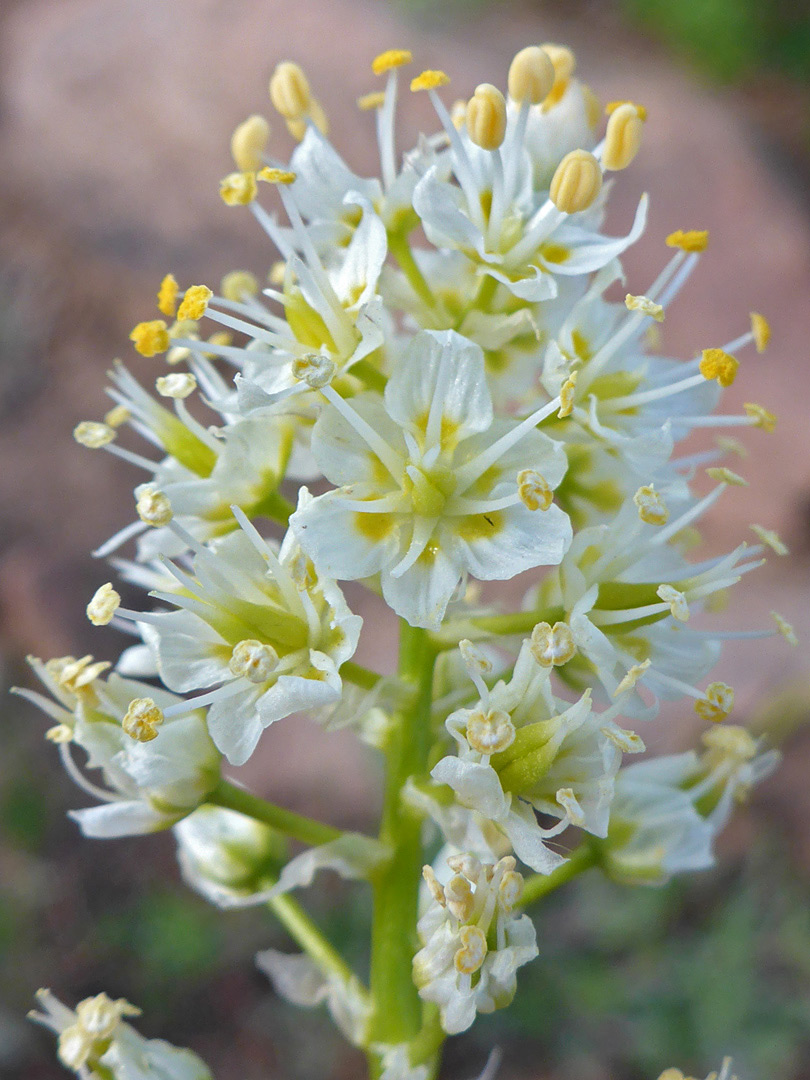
(691, 240)
(195, 301)
(276, 176)
(150, 338)
(719, 365)
(612, 106)
(142, 719)
(429, 80)
(154, 508)
(238, 188)
(645, 306)
(784, 628)
(391, 58)
(167, 296)
(727, 476)
(178, 385)
(103, 605)
(771, 538)
(93, 435)
(651, 507)
(533, 489)
(717, 704)
(761, 329)
(761, 417)
(567, 396)
(373, 100)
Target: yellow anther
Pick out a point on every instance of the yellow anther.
(314, 369)
(103, 606)
(253, 660)
(761, 329)
(153, 506)
(75, 675)
(459, 897)
(248, 143)
(784, 628)
(61, 733)
(576, 182)
(118, 415)
(429, 80)
(564, 63)
(531, 75)
(391, 58)
(761, 417)
(729, 445)
(612, 106)
(277, 272)
(627, 741)
(567, 392)
(289, 90)
(221, 337)
(435, 888)
(533, 489)
(676, 601)
(510, 890)
(486, 117)
(651, 507)
(727, 476)
(167, 296)
(593, 106)
(178, 385)
(771, 538)
(645, 306)
(238, 188)
(142, 719)
(195, 301)
(276, 176)
(717, 704)
(552, 646)
(150, 338)
(622, 138)
(93, 435)
(632, 677)
(475, 659)
(239, 284)
(719, 365)
(566, 798)
(490, 732)
(374, 100)
(730, 742)
(74, 1047)
(473, 951)
(693, 240)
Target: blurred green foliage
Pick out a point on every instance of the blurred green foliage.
(731, 40)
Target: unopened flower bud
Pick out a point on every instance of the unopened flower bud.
(486, 117)
(576, 182)
(531, 75)
(622, 138)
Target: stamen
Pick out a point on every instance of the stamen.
(567, 391)
(576, 182)
(534, 492)
(612, 106)
(632, 677)
(770, 538)
(103, 606)
(238, 188)
(429, 80)
(651, 507)
(387, 455)
(153, 506)
(569, 803)
(117, 416)
(719, 365)
(552, 646)
(490, 732)
(314, 369)
(717, 704)
(761, 329)
(531, 75)
(564, 63)
(248, 143)
(759, 416)
(373, 100)
(142, 719)
(150, 338)
(622, 138)
(253, 660)
(276, 176)
(645, 306)
(390, 59)
(784, 628)
(676, 601)
(486, 117)
(93, 435)
(726, 476)
(692, 240)
(178, 385)
(167, 296)
(239, 285)
(289, 90)
(471, 470)
(469, 958)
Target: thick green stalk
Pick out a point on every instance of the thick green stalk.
(361, 676)
(307, 830)
(396, 1006)
(540, 885)
(401, 250)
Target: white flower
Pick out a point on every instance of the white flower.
(155, 773)
(430, 490)
(96, 1041)
(519, 748)
(668, 810)
(473, 941)
(298, 979)
(263, 627)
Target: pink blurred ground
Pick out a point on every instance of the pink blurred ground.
(114, 129)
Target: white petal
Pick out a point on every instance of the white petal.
(522, 829)
(131, 818)
(352, 856)
(422, 593)
(188, 652)
(343, 455)
(476, 786)
(519, 540)
(437, 204)
(344, 543)
(588, 254)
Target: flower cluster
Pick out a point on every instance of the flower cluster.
(444, 354)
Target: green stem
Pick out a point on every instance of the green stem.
(273, 506)
(401, 250)
(359, 675)
(540, 885)
(304, 931)
(397, 1008)
(305, 829)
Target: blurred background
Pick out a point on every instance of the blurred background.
(115, 117)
